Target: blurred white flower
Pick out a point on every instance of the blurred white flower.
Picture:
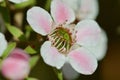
(3, 43)
(1, 0)
(18, 1)
(84, 9)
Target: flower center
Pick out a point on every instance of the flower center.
(61, 39)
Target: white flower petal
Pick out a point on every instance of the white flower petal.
(40, 20)
(82, 61)
(88, 33)
(51, 56)
(91, 37)
(99, 50)
(18, 1)
(74, 4)
(84, 9)
(88, 9)
(3, 44)
(61, 13)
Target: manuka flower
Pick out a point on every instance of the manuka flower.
(16, 65)
(3, 44)
(67, 42)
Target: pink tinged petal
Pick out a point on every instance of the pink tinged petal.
(15, 69)
(91, 37)
(51, 56)
(88, 33)
(2, 42)
(82, 61)
(17, 1)
(88, 9)
(40, 20)
(16, 66)
(61, 13)
(19, 54)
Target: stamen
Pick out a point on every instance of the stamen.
(62, 49)
(52, 35)
(57, 39)
(53, 32)
(59, 44)
(61, 38)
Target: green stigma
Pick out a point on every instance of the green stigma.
(64, 34)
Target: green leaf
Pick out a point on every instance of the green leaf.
(14, 31)
(10, 47)
(33, 61)
(30, 50)
(30, 78)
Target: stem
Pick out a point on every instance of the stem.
(60, 76)
(58, 73)
(0, 62)
(7, 14)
